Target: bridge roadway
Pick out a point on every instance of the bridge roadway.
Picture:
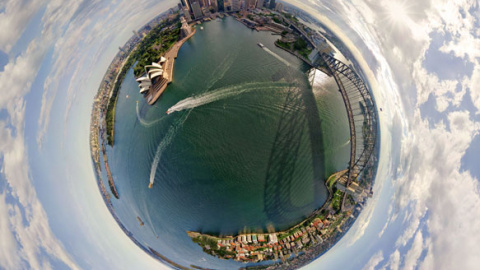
(346, 79)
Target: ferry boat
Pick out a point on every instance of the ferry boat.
(261, 45)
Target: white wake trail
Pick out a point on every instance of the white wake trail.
(222, 93)
(144, 122)
(172, 131)
(222, 69)
(277, 56)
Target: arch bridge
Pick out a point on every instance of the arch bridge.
(359, 103)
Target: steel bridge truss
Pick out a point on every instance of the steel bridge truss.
(361, 112)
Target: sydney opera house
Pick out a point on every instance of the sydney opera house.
(153, 76)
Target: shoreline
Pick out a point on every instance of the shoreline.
(154, 93)
(318, 228)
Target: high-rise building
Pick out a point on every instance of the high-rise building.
(188, 4)
(235, 5)
(197, 11)
(187, 15)
(227, 5)
(279, 7)
(221, 5)
(214, 4)
(259, 4)
(250, 4)
(272, 4)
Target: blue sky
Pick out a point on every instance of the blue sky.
(422, 59)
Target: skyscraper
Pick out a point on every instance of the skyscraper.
(235, 5)
(279, 7)
(259, 4)
(221, 5)
(214, 4)
(188, 17)
(272, 4)
(197, 11)
(250, 4)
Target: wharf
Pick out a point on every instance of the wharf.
(157, 90)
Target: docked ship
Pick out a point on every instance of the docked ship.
(261, 45)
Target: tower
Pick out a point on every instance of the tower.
(197, 11)
(259, 4)
(221, 5)
(272, 4)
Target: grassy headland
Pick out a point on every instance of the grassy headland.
(149, 50)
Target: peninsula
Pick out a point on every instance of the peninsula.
(155, 81)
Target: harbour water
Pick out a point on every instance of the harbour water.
(248, 144)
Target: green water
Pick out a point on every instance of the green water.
(249, 143)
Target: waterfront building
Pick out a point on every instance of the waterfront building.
(247, 4)
(249, 23)
(197, 11)
(260, 4)
(187, 15)
(136, 34)
(206, 12)
(235, 5)
(279, 7)
(186, 29)
(214, 4)
(185, 3)
(261, 238)
(244, 239)
(221, 5)
(272, 4)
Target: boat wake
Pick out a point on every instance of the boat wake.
(338, 147)
(222, 69)
(222, 93)
(149, 219)
(172, 131)
(144, 122)
(276, 56)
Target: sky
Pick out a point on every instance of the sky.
(421, 58)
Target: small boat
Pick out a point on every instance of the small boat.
(261, 45)
(150, 185)
(169, 111)
(201, 27)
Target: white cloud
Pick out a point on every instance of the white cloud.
(393, 261)
(14, 21)
(431, 192)
(473, 84)
(26, 219)
(82, 43)
(8, 245)
(30, 228)
(374, 261)
(412, 256)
